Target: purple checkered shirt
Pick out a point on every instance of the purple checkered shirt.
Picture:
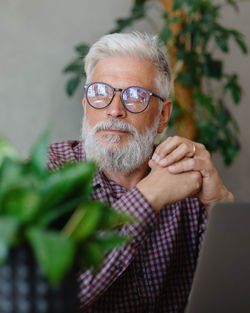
(154, 272)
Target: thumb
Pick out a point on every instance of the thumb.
(151, 163)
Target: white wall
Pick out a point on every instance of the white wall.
(36, 42)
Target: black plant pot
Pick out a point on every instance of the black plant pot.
(24, 289)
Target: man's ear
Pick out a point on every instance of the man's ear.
(84, 103)
(165, 115)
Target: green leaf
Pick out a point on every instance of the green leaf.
(92, 217)
(54, 253)
(240, 42)
(211, 68)
(175, 19)
(71, 180)
(18, 190)
(208, 134)
(222, 42)
(84, 221)
(229, 146)
(74, 67)
(192, 6)
(58, 212)
(38, 156)
(204, 101)
(11, 178)
(72, 85)
(95, 247)
(22, 204)
(8, 234)
(234, 4)
(196, 38)
(91, 254)
(108, 240)
(187, 78)
(223, 115)
(140, 2)
(174, 114)
(7, 151)
(82, 49)
(112, 218)
(137, 12)
(178, 4)
(232, 85)
(166, 33)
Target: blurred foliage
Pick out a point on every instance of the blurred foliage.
(201, 35)
(52, 212)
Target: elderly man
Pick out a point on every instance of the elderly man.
(167, 189)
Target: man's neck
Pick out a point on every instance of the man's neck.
(129, 180)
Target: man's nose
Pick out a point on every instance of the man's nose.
(116, 108)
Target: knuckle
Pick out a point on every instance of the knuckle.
(170, 158)
(184, 146)
(201, 146)
(197, 176)
(208, 155)
(197, 180)
(176, 138)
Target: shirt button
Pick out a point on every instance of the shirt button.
(118, 267)
(149, 229)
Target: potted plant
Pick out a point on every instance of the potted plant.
(193, 32)
(49, 229)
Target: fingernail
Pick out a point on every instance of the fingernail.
(154, 156)
(172, 167)
(157, 158)
(163, 162)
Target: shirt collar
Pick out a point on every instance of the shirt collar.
(101, 181)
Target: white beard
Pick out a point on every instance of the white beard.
(111, 158)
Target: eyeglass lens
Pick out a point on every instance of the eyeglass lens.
(135, 99)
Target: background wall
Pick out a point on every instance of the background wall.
(36, 42)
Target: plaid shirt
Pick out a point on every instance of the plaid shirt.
(154, 272)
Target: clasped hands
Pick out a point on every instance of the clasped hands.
(182, 168)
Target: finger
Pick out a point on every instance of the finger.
(186, 165)
(176, 155)
(172, 143)
(163, 149)
(151, 163)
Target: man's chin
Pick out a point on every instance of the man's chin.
(113, 143)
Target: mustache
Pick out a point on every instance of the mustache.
(115, 124)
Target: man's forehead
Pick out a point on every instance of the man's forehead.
(122, 71)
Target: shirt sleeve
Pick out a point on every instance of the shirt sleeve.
(115, 263)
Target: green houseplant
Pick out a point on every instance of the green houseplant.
(193, 32)
(50, 215)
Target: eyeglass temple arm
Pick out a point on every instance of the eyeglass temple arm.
(155, 95)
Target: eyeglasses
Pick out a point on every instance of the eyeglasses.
(135, 99)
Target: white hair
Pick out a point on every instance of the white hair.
(136, 45)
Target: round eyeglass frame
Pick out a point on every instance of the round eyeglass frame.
(86, 87)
